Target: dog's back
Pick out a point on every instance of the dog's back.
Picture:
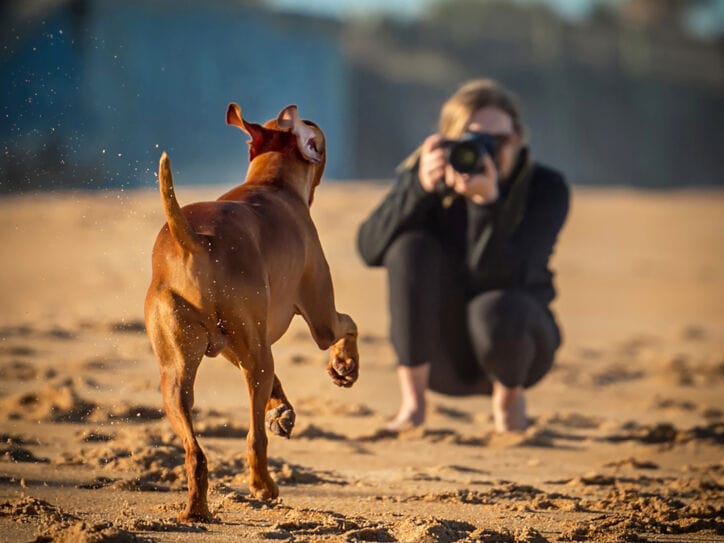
(249, 257)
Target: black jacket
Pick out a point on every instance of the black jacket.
(505, 244)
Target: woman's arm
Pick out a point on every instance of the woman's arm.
(406, 206)
(535, 239)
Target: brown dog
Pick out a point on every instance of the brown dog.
(229, 275)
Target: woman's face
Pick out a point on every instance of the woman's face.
(492, 120)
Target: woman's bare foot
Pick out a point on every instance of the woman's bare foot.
(406, 419)
(509, 409)
(413, 383)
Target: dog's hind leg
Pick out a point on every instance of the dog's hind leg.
(280, 414)
(179, 341)
(259, 373)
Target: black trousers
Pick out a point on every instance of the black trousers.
(498, 335)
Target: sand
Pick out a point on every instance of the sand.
(628, 432)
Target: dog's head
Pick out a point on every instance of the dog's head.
(299, 140)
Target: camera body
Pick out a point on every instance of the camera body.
(466, 154)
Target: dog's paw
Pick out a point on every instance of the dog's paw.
(343, 365)
(343, 374)
(280, 420)
(196, 515)
(263, 489)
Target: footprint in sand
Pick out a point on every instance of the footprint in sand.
(431, 435)
(638, 345)
(293, 474)
(62, 403)
(712, 369)
(694, 332)
(85, 531)
(315, 405)
(132, 326)
(299, 359)
(104, 364)
(413, 529)
(664, 432)
(14, 439)
(95, 436)
(157, 468)
(126, 412)
(50, 404)
(224, 428)
(16, 453)
(502, 491)
(166, 525)
(315, 432)
(566, 372)
(678, 370)
(22, 330)
(370, 339)
(674, 404)
(18, 370)
(309, 524)
(712, 413)
(658, 510)
(21, 509)
(590, 353)
(616, 374)
(632, 462)
(18, 350)
(58, 332)
(452, 413)
(573, 420)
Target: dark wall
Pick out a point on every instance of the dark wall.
(605, 105)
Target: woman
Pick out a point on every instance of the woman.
(469, 284)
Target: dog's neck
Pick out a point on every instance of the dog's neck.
(276, 169)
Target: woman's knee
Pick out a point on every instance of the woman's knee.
(502, 315)
(501, 335)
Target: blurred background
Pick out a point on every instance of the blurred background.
(615, 92)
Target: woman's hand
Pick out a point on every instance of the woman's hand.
(481, 188)
(432, 162)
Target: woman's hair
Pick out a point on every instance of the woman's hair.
(470, 97)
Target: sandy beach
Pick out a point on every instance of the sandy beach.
(628, 427)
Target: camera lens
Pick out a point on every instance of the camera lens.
(464, 157)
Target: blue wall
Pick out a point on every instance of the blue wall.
(129, 79)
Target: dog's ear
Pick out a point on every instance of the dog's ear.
(234, 118)
(307, 143)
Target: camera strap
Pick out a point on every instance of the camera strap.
(506, 215)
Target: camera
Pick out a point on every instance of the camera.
(466, 154)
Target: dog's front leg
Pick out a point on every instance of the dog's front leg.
(329, 328)
(343, 365)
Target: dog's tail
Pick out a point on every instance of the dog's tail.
(177, 222)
